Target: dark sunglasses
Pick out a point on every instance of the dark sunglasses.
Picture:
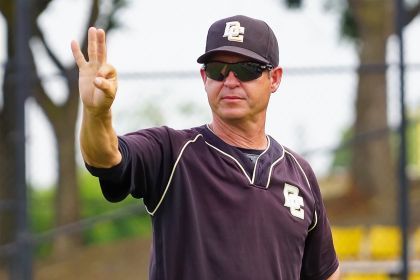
(244, 71)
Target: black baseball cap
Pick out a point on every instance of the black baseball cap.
(242, 35)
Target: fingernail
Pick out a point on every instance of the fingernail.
(98, 81)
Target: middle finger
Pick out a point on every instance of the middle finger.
(101, 46)
(92, 45)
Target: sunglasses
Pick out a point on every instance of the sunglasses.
(244, 71)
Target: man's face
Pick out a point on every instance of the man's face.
(232, 100)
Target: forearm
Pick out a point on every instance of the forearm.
(98, 140)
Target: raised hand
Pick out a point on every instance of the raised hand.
(97, 79)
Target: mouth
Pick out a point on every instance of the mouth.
(232, 97)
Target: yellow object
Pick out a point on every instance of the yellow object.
(348, 241)
(384, 242)
(366, 276)
(416, 241)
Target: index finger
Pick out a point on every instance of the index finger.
(77, 54)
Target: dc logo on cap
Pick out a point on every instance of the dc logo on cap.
(233, 31)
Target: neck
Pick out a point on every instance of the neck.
(249, 136)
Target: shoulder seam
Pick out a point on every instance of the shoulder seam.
(172, 174)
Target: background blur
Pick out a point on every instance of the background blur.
(339, 105)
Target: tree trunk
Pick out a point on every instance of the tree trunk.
(63, 119)
(8, 179)
(67, 199)
(67, 202)
(8, 191)
(373, 164)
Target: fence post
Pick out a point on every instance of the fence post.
(22, 261)
(403, 180)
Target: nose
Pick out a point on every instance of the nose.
(231, 80)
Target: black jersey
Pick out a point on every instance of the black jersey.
(218, 215)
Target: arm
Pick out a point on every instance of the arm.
(97, 87)
(335, 275)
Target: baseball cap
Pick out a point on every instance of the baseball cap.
(242, 35)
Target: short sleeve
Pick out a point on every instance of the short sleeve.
(319, 259)
(147, 158)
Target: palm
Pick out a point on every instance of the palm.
(91, 96)
(96, 96)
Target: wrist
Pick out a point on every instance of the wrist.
(97, 114)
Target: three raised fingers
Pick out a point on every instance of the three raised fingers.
(96, 48)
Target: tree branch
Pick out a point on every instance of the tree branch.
(94, 13)
(50, 53)
(43, 100)
(39, 93)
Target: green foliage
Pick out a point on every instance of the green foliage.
(294, 3)
(342, 155)
(93, 204)
(413, 147)
(41, 216)
(348, 25)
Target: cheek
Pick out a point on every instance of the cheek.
(212, 89)
(260, 92)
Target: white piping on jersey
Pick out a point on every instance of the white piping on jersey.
(315, 223)
(172, 174)
(271, 168)
(301, 169)
(256, 162)
(251, 181)
(234, 159)
(309, 185)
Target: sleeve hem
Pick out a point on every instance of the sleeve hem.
(324, 276)
(105, 173)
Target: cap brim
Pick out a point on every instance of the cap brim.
(234, 50)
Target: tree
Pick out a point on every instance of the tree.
(370, 24)
(8, 192)
(62, 117)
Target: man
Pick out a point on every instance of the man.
(226, 200)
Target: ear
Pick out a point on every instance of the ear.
(276, 75)
(203, 75)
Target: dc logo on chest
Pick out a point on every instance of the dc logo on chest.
(293, 201)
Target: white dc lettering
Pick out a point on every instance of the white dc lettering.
(293, 201)
(233, 31)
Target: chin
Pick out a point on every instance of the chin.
(232, 117)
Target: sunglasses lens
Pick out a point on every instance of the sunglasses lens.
(244, 71)
(247, 71)
(216, 70)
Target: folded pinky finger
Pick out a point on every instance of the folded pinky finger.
(108, 87)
